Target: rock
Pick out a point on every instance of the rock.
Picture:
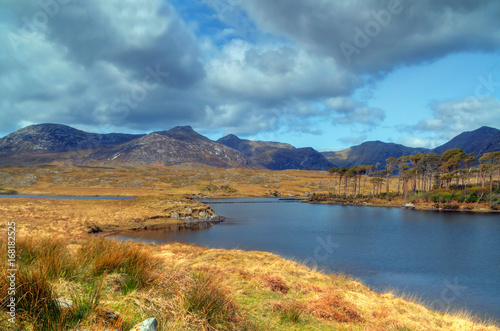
(174, 215)
(109, 315)
(64, 303)
(151, 324)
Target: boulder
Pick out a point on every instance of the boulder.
(151, 324)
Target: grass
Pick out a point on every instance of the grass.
(184, 286)
(118, 284)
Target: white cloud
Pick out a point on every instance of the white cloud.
(349, 111)
(453, 117)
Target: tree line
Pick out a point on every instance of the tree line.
(417, 173)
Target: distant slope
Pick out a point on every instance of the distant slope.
(57, 138)
(61, 144)
(480, 141)
(278, 156)
(371, 152)
(176, 146)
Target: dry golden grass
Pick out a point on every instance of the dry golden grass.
(240, 290)
(193, 288)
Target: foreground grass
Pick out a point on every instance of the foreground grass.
(116, 285)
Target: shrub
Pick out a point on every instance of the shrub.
(7, 191)
(472, 198)
(494, 199)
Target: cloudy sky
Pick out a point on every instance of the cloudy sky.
(323, 73)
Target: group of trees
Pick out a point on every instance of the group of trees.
(418, 173)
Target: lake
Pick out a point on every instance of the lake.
(447, 259)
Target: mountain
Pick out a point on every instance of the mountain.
(278, 156)
(57, 138)
(371, 152)
(176, 146)
(54, 143)
(61, 144)
(480, 141)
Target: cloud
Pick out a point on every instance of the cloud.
(412, 141)
(386, 34)
(240, 66)
(350, 141)
(127, 65)
(349, 111)
(452, 117)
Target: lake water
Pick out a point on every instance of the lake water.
(447, 259)
(20, 196)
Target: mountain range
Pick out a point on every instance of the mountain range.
(480, 141)
(61, 144)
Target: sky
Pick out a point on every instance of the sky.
(327, 74)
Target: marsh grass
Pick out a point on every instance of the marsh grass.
(208, 298)
(193, 288)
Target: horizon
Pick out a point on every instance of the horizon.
(215, 140)
(327, 75)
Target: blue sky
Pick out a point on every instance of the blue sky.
(326, 74)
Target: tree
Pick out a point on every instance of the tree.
(451, 160)
(489, 163)
(390, 166)
(331, 172)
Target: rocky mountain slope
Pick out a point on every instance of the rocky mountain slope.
(278, 156)
(56, 138)
(176, 146)
(60, 144)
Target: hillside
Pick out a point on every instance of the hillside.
(176, 146)
(372, 152)
(480, 141)
(60, 144)
(278, 156)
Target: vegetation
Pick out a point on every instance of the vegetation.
(452, 176)
(7, 191)
(100, 284)
(239, 290)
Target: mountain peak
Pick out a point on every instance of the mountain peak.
(186, 128)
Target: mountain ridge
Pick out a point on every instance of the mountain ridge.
(57, 143)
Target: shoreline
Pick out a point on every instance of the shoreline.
(193, 224)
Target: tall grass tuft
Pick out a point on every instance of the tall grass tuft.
(209, 299)
(49, 254)
(36, 301)
(135, 262)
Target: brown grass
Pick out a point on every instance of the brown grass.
(333, 306)
(275, 283)
(239, 290)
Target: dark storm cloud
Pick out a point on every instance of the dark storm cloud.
(383, 34)
(136, 65)
(101, 64)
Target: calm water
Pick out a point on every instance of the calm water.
(447, 259)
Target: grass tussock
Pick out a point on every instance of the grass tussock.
(333, 306)
(275, 283)
(208, 298)
(100, 284)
